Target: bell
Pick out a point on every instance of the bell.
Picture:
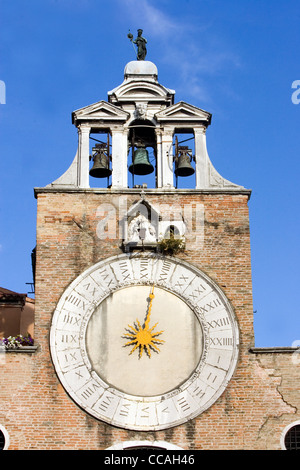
(184, 167)
(141, 164)
(100, 168)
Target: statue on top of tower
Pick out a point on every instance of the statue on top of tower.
(141, 44)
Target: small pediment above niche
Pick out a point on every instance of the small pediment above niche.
(101, 111)
(183, 112)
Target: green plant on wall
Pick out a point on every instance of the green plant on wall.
(172, 243)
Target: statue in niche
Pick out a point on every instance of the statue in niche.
(141, 44)
(141, 229)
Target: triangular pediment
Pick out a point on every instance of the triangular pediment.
(101, 111)
(183, 112)
(143, 206)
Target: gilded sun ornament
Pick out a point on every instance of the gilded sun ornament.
(142, 337)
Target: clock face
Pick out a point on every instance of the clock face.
(144, 342)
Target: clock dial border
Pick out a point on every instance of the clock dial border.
(106, 403)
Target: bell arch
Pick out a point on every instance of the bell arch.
(142, 153)
(100, 157)
(184, 164)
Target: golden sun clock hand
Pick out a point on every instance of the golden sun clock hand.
(142, 337)
(151, 296)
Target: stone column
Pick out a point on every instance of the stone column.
(167, 158)
(119, 157)
(201, 158)
(158, 158)
(83, 156)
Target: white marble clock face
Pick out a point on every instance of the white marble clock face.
(144, 342)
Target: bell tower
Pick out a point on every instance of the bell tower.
(137, 133)
(143, 321)
(143, 276)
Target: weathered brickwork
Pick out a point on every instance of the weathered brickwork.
(260, 400)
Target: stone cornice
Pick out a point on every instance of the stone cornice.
(155, 191)
(21, 349)
(272, 350)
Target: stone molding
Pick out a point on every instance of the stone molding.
(21, 349)
(157, 191)
(272, 350)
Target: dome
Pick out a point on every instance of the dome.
(140, 68)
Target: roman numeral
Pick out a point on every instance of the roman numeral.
(198, 392)
(199, 291)
(89, 391)
(76, 301)
(124, 270)
(210, 306)
(164, 271)
(145, 412)
(71, 357)
(104, 274)
(79, 374)
(125, 410)
(221, 341)
(218, 323)
(183, 404)
(166, 410)
(106, 403)
(144, 269)
(181, 281)
(93, 289)
(211, 377)
(69, 319)
(69, 338)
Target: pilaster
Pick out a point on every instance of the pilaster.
(83, 156)
(201, 158)
(119, 157)
(159, 182)
(167, 158)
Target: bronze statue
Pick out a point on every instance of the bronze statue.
(141, 44)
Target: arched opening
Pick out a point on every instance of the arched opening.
(4, 438)
(184, 158)
(144, 445)
(172, 232)
(142, 154)
(100, 159)
(290, 438)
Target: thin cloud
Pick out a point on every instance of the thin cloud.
(154, 20)
(192, 49)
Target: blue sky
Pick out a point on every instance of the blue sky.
(236, 59)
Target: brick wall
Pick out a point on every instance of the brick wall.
(261, 397)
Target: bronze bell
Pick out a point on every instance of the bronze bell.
(184, 167)
(141, 164)
(100, 168)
